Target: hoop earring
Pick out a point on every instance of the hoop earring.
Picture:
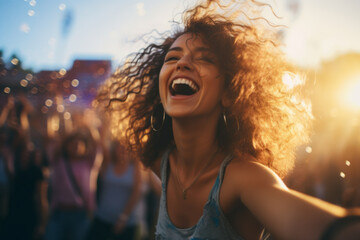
(152, 121)
(225, 120)
(226, 123)
(237, 124)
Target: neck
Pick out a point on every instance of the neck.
(195, 141)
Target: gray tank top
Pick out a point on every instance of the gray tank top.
(211, 225)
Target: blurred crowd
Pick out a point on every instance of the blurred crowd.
(69, 182)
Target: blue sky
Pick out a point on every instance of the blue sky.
(33, 29)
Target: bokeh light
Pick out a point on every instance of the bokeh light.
(14, 61)
(32, 3)
(62, 71)
(29, 77)
(25, 28)
(75, 83)
(44, 109)
(62, 7)
(60, 108)
(48, 102)
(72, 98)
(67, 115)
(308, 149)
(7, 90)
(24, 83)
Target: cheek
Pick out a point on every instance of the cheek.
(162, 82)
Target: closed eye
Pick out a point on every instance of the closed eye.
(206, 59)
(172, 58)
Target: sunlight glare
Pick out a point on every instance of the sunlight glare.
(291, 80)
(350, 95)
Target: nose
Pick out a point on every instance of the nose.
(184, 63)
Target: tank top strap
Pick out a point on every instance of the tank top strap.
(215, 191)
(223, 166)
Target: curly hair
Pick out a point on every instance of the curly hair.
(267, 118)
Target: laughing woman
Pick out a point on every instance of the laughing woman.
(208, 112)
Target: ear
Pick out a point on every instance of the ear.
(225, 99)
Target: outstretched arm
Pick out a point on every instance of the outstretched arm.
(287, 214)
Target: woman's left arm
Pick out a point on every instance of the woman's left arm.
(287, 214)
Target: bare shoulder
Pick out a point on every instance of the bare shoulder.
(245, 172)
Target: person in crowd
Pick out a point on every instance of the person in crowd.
(74, 167)
(207, 110)
(119, 192)
(27, 206)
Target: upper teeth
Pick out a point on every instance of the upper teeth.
(184, 81)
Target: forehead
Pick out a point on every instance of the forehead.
(190, 41)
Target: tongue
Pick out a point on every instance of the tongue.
(182, 89)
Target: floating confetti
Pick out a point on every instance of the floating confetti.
(31, 13)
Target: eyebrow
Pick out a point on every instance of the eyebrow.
(198, 49)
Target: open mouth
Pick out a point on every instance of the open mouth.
(183, 86)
